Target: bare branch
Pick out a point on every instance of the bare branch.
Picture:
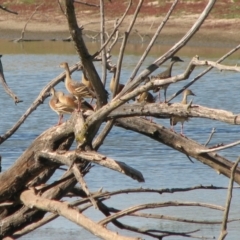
(162, 110)
(220, 148)
(82, 182)
(228, 202)
(221, 67)
(123, 46)
(31, 200)
(25, 26)
(100, 138)
(7, 10)
(114, 31)
(5, 85)
(157, 205)
(87, 4)
(210, 137)
(71, 156)
(102, 35)
(141, 60)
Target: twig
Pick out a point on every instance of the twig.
(142, 37)
(157, 205)
(221, 67)
(100, 138)
(220, 148)
(7, 10)
(25, 26)
(87, 4)
(94, 38)
(115, 38)
(61, 8)
(140, 62)
(102, 37)
(228, 202)
(115, 29)
(123, 46)
(210, 137)
(148, 232)
(82, 182)
(5, 86)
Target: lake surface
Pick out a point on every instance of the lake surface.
(28, 67)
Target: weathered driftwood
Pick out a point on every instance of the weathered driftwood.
(69, 157)
(15, 221)
(30, 199)
(163, 110)
(27, 167)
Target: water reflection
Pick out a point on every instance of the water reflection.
(30, 66)
(133, 48)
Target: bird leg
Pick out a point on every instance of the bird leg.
(159, 96)
(79, 105)
(60, 119)
(165, 94)
(182, 130)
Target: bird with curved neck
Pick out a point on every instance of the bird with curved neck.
(61, 104)
(112, 82)
(166, 74)
(174, 120)
(77, 89)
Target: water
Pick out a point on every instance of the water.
(29, 67)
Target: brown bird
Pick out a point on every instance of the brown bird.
(175, 120)
(112, 82)
(166, 74)
(61, 104)
(85, 79)
(77, 89)
(146, 97)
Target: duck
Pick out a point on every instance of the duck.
(166, 74)
(146, 97)
(61, 104)
(112, 82)
(77, 89)
(174, 120)
(85, 79)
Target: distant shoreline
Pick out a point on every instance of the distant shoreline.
(221, 31)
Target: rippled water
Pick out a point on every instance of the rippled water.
(28, 71)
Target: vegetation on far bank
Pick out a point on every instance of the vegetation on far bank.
(224, 9)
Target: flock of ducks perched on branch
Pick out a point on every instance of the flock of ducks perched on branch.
(74, 101)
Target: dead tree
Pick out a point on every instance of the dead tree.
(25, 193)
